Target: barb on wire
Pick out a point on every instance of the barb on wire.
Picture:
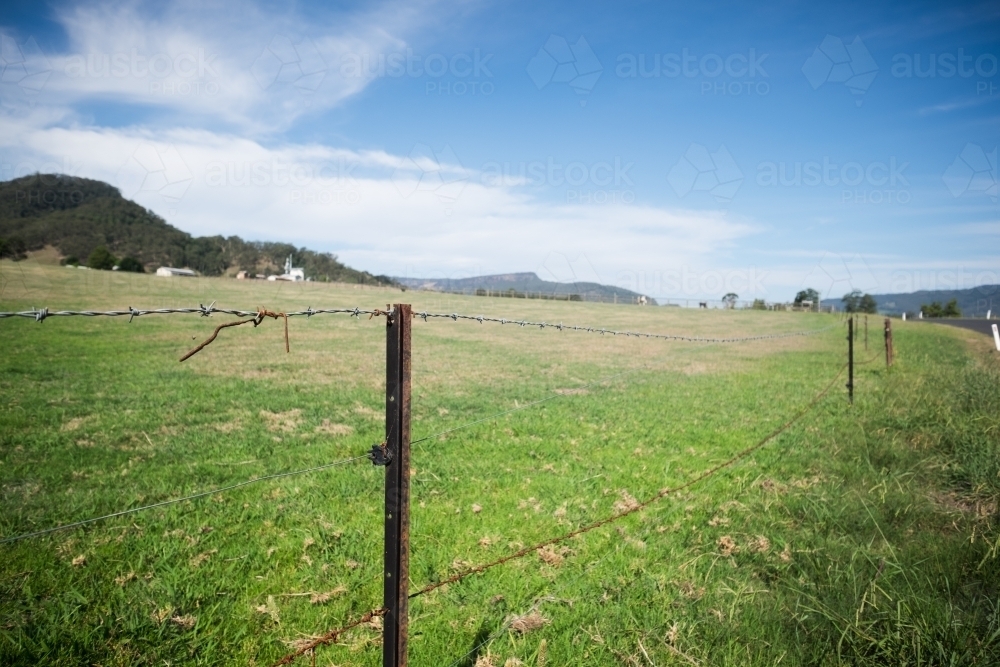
(330, 636)
(541, 325)
(194, 496)
(639, 506)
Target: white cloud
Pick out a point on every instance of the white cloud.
(258, 69)
(348, 202)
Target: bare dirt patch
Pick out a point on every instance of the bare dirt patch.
(75, 423)
(284, 422)
(329, 428)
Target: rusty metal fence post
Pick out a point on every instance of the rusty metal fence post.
(850, 359)
(397, 486)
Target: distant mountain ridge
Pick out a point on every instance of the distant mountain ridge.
(524, 282)
(974, 302)
(77, 215)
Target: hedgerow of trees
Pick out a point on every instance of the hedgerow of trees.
(856, 302)
(935, 309)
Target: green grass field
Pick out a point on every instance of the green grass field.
(865, 535)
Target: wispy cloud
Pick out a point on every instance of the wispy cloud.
(257, 69)
(362, 204)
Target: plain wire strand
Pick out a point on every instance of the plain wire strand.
(180, 500)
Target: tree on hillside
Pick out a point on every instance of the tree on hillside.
(935, 309)
(730, 299)
(14, 248)
(131, 264)
(856, 302)
(101, 258)
(808, 294)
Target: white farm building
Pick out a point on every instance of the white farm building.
(169, 271)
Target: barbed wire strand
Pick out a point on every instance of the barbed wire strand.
(639, 506)
(40, 314)
(194, 496)
(330, 636)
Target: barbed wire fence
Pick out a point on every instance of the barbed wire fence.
(396, 446)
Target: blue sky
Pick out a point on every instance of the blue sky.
(681, 151)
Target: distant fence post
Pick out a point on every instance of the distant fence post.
(866, 333)
(397, 486)
(888, 342)
(850, 359)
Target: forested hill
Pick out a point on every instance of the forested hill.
(77, 215)
(972, 302)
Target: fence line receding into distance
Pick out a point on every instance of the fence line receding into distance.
(393, 452)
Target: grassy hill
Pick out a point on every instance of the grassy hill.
(76, 215)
